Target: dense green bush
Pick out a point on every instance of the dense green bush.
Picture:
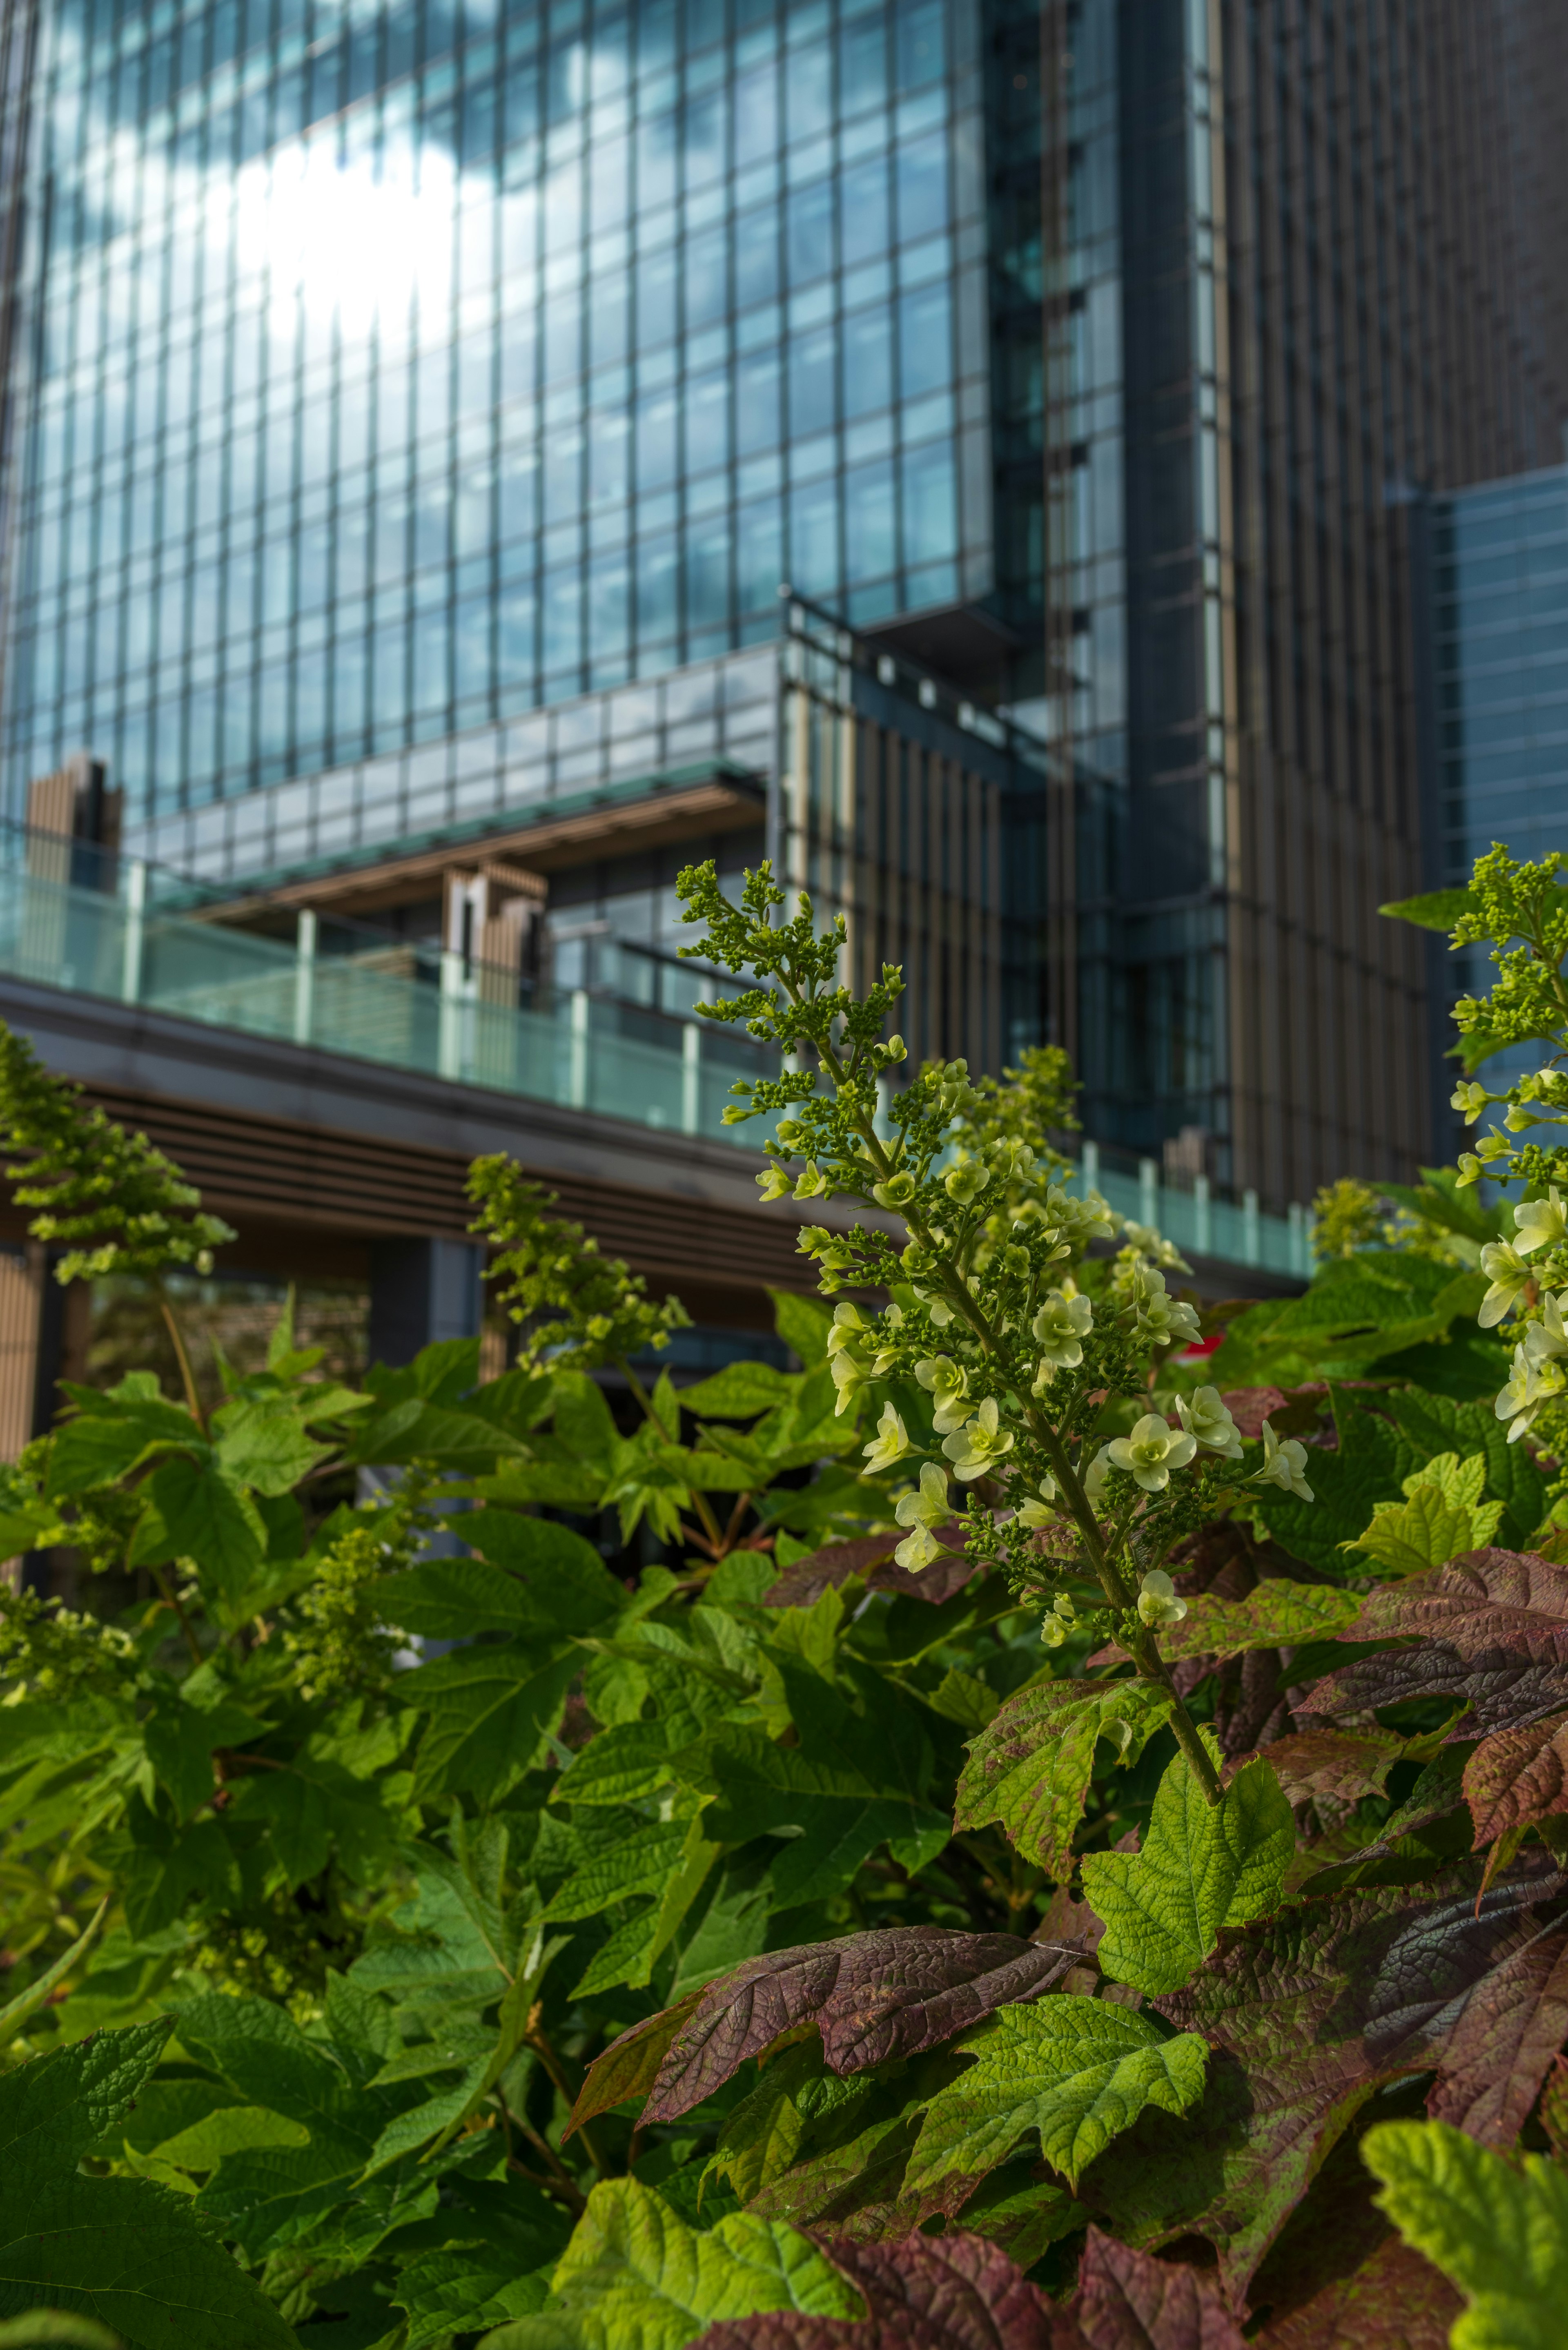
(996, 1836)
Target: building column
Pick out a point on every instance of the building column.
(422, 1291)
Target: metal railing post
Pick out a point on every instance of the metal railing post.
(691, 1076)
(1203, 1214)
(1091, 1163)
(135, 932)
(305, 976)
(1296, 1215)
(449, 1049)
(577, 1059)
(1250, 1233)
(1147, 1191)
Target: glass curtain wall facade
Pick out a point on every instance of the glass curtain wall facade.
(1495, 582)
(390, 371)
(1294, 281)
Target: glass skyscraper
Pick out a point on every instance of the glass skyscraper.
(414, 409)
(1495, 579)
(387, 371)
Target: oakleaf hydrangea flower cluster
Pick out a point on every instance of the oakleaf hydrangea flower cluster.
(1008, 1347)
(1520, 910)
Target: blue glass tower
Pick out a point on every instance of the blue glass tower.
(390, 371)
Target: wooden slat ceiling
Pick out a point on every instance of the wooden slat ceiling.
(609, 827)
(274, 1171)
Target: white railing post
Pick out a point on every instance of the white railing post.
(1147, 1191)
(304, 976)
(449, 1050)
(1250, 1235)
(1203, 1206)
(1091, 1168)
(1297, 1217)
(577, 1059)
(135, 932)
(691, 1076)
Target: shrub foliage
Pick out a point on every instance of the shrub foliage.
(956, 1843)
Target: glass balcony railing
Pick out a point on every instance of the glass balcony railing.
(116, 929)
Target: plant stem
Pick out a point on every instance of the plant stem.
(1145, 1651)
(537, 2041)
(187, 1376)
(171, 1599)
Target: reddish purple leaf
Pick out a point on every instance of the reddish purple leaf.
(1127, 2300)
(1518, 1776)
(1502, 1687)
(1309, 2013)
(1512, 2026)
(925, 2292)
(1395, 2299)
(888, 1993)
(629, 2065)
(1335, 1766)
(1554, 2108)
(871, 1558)
(1486, 1599)
(1250, 1406)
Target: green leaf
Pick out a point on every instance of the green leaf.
(1029, 1769)
(740, 1392)
(1277, 1614)
(1435, 1424)
(122, 2252)
(111, 1435)
(195, 1510)
(491, 1710)
(635, 2275)
(568, 1583)
(803, 1325)
(1203, 1865)
(180, 1737)
(1498, 2230)
(313, 1807)
(1371, 1459)
(40, 2327)
(636, 1865)
(231, 2129)
(1434, 910)
(1428, 1530)
(583, 1422)
(17, 2011)
(265, 1445)
(1077, 2070)
(623, 1765)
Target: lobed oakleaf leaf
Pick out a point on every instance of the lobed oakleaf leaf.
(1517, 1777)
(1079, 2071)
(635, 2273)
(1029, 1769)
(1277, 1614)
(954, 2292)
(873, 1996)
(1128, 2301)
(1498, 2231)
(1203, 1865)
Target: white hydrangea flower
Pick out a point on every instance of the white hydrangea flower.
(1157, 1601)
(849, 1372)
(774, 1183)
(1078, 1221)
(964, 1183)
(889, 1444)
(1152, 1451)
(1060, 1329)
(1285, 1464)
(948, 1385)
(1035, 1513)
(1053, 1632)
(1541, 1223)
(1469, 1099)
(923, 1507)
(1094, 1477)
(979, 1444)
(1205, 1417)
(1508, 1274)
(1162, 1319)
(811, 1183)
